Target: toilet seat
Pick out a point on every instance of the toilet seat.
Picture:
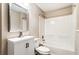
(43, 50)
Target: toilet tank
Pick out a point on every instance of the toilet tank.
(21, 46)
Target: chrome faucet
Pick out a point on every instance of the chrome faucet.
(20, 34)
(43, 38)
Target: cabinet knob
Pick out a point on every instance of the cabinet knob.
(27, 45)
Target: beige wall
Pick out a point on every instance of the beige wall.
(4, 28)
(41, 26)
(76, 17)
(59, 12)
(0, 28)
(34, 13)
(5, 33)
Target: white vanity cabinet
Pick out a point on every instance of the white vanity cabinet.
(21, 46)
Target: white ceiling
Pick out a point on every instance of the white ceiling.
(52, 6)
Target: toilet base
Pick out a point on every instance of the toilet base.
(37, 53)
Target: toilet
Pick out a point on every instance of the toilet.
(40, 48)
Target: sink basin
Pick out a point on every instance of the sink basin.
(24, 37)
(17, 39)
(14, 39)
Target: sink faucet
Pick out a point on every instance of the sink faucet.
(20, 34)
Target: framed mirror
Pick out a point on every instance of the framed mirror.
(18, 18)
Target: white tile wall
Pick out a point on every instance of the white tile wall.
(60, 33)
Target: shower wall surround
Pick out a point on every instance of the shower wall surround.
(59, 32)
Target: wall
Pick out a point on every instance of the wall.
(0, 28)
(4, 28)
(60, 32)
(76, 17)
(34, 13)
(41, 26)
(59, 12)
(34, 19)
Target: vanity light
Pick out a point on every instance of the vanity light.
(24, 5)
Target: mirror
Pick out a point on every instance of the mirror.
(18, 18)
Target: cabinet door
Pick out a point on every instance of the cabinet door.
(31, 47)
(25, 47)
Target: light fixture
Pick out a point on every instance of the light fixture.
(24, 5)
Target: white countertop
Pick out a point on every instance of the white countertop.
(16, 39)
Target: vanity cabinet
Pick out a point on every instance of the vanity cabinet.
(21, 46)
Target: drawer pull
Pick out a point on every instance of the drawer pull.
(27, 45)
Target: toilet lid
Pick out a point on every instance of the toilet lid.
(42, 49)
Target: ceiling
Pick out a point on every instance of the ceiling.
(52, 6)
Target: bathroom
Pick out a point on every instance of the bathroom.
(57, 27)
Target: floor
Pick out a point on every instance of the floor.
(55, 51)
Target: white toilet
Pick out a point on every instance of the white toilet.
(40, 48)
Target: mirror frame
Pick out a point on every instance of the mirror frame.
(9, 19)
